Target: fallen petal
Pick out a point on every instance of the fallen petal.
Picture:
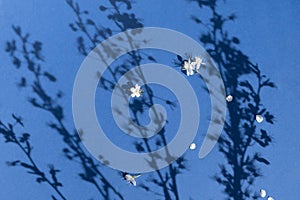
(259, 118)
(263, 193)
(192, 146)
(229, 98)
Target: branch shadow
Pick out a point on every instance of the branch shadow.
(243, 80)
(23, 143)
(90, 36)
(26, 53)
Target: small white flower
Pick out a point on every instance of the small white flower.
(192, 65)
(197, 63)
(188, 67)
(131, 178)
(259, 118)
(263, 193)
(229, 98)
(192, 146)
(136, 91)
(270, 198)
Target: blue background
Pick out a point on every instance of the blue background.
(269, 35)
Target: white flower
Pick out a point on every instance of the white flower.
(197, 63)
(259, 118)
(131, 178)
(229, 98)
(263, 193)
(270, 198)
(136, 91)
(188, 67)
(192, 65)
(192, 146)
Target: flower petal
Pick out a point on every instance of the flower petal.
(259, 118)
(263, 193)
(133, 182)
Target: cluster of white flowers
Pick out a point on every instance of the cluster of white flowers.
(192, 65)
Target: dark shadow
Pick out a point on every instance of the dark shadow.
(27, 54)
(241, 169)
(244, 81)
(23, 143)
(90, 35)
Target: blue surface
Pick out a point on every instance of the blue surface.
(268, 31)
